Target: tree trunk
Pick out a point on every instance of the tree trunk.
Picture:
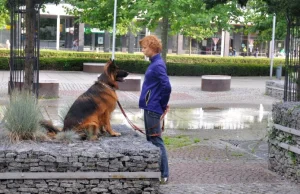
(30, 20)
(190, 41)
(164, 37)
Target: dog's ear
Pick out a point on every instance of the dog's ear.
(110, 74)
(112, 64)
(111, 69)
(107, 67)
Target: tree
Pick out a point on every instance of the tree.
(274, 6)
(202, 23)
(175, 16)
(99, 14)
(289, 7)
(130, 14)
(258, 15)
(186, 17)
(30, 18)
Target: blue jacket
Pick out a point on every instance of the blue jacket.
(156, 88)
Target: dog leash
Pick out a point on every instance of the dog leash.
(137, 128)
(128, 120)
(132, 124)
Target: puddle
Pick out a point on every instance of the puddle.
(204, 118)
(190, 118)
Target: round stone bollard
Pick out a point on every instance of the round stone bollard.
(215, 83)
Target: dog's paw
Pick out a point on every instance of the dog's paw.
(94, 138)
(116, 134)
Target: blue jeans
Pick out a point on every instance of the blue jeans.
(152, 126)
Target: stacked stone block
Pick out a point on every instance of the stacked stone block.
(275, 88)
(128, 153)
(285, 161)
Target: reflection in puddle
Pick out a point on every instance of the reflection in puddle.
(203, 118)
(193, 118)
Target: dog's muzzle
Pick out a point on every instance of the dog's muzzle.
(121, 75)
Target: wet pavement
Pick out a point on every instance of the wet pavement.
(231, 156)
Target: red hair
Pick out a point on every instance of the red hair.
(152, 42)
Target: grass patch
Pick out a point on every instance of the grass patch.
(21, 118)
(179, 141)
(196, 140)
(236, 154)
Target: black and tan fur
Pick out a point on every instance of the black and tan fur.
(92, 110)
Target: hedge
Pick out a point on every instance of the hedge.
(178, 65)
(137, 66)
(195, 59)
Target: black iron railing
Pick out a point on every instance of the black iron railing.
(292, 62)
(19, 56)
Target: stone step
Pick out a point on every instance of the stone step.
(47, 88)
(132, 83)
(93, 67)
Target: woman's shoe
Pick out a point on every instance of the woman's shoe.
(164, 180)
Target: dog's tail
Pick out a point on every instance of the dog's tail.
(48, 125)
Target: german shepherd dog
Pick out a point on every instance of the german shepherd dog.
(91, 111)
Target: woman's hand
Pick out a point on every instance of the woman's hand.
(166, 111)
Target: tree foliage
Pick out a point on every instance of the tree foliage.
(274, 6)
(289, 7)
(188, 17)
(4, 14)
(212, 3)
(100, 14)
(5, 6)
(257, 15)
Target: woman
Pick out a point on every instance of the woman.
(154, 98)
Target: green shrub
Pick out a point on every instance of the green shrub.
(220, 60)
(183, 59)
(21, 117)
(4, 61)
(178, 65)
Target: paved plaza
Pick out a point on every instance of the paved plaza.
(231, 156)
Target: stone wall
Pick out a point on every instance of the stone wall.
(275, 88)
(109, 165)
(284, 140)
(105, 186)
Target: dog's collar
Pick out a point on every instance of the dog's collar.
(107, 86)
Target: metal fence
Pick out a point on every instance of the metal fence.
(20, 51)
(292, 78)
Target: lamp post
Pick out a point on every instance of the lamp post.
(272, 46)
(114, 31)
